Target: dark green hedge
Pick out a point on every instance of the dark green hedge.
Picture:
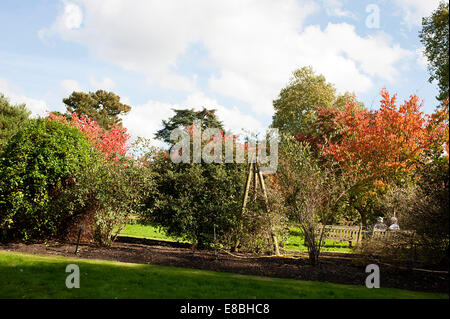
(36, 164)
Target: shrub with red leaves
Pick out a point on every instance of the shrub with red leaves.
(112, 143)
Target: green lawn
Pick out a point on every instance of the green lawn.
(145, 231)
(37, 276)
(295, 240)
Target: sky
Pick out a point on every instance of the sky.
(232, 56)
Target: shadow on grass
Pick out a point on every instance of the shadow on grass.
(151, 242)
(32, 276)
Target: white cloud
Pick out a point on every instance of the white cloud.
(376, 55)
(144, 120)
(232, 118)
(125, 100)
(69, 20)
(69, 86)
(72, 16)
(106, 84)
(15, 96)
(346, 59)
(254, 45)
(414, 10)
(421, 59)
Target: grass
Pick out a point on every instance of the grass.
(145, 231)
(38, 276)
(295, 240)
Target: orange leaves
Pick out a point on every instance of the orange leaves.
(388, 140)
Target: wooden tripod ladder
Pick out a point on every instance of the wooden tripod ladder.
(256, 174)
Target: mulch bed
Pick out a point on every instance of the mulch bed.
(330, 268)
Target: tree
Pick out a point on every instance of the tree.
(108, 191)
(428, 213)
(55, 174)
(385, 142)
(186, 117)
(112, 142)
(434, 36)
(193, 196)
(384, 146)
(37, 164)
(295, 108)
(312, 190)
(422, 207)
(12, 118)
(101, 106)
(190, 199)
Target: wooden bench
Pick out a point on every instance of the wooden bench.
(341, 233)
(357, 234)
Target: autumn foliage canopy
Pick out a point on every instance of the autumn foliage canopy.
(386, 141)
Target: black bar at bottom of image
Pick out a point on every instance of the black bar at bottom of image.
(232, 308)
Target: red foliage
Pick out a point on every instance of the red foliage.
(112, 142)
(314, 141)
(388, 140)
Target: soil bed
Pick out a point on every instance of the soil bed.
(331, 268)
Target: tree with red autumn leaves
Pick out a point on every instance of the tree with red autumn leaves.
(114, 185)
(380, 146)
(111, 142)
(387, 141)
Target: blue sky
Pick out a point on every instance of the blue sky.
(234, 56)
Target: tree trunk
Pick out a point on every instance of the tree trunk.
(234, 247)
(363, 218)
(314, 257)
(310, 241)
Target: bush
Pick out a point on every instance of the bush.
(12, 118)
(191, 198)
(396, 247)
(112, 192)
(312, 190)
(105, 196)
(430, 211)
(423, 209)
(37, 164)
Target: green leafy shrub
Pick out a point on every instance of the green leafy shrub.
(190, 199)
(113, 191)
(12, 117)
(37, 164)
